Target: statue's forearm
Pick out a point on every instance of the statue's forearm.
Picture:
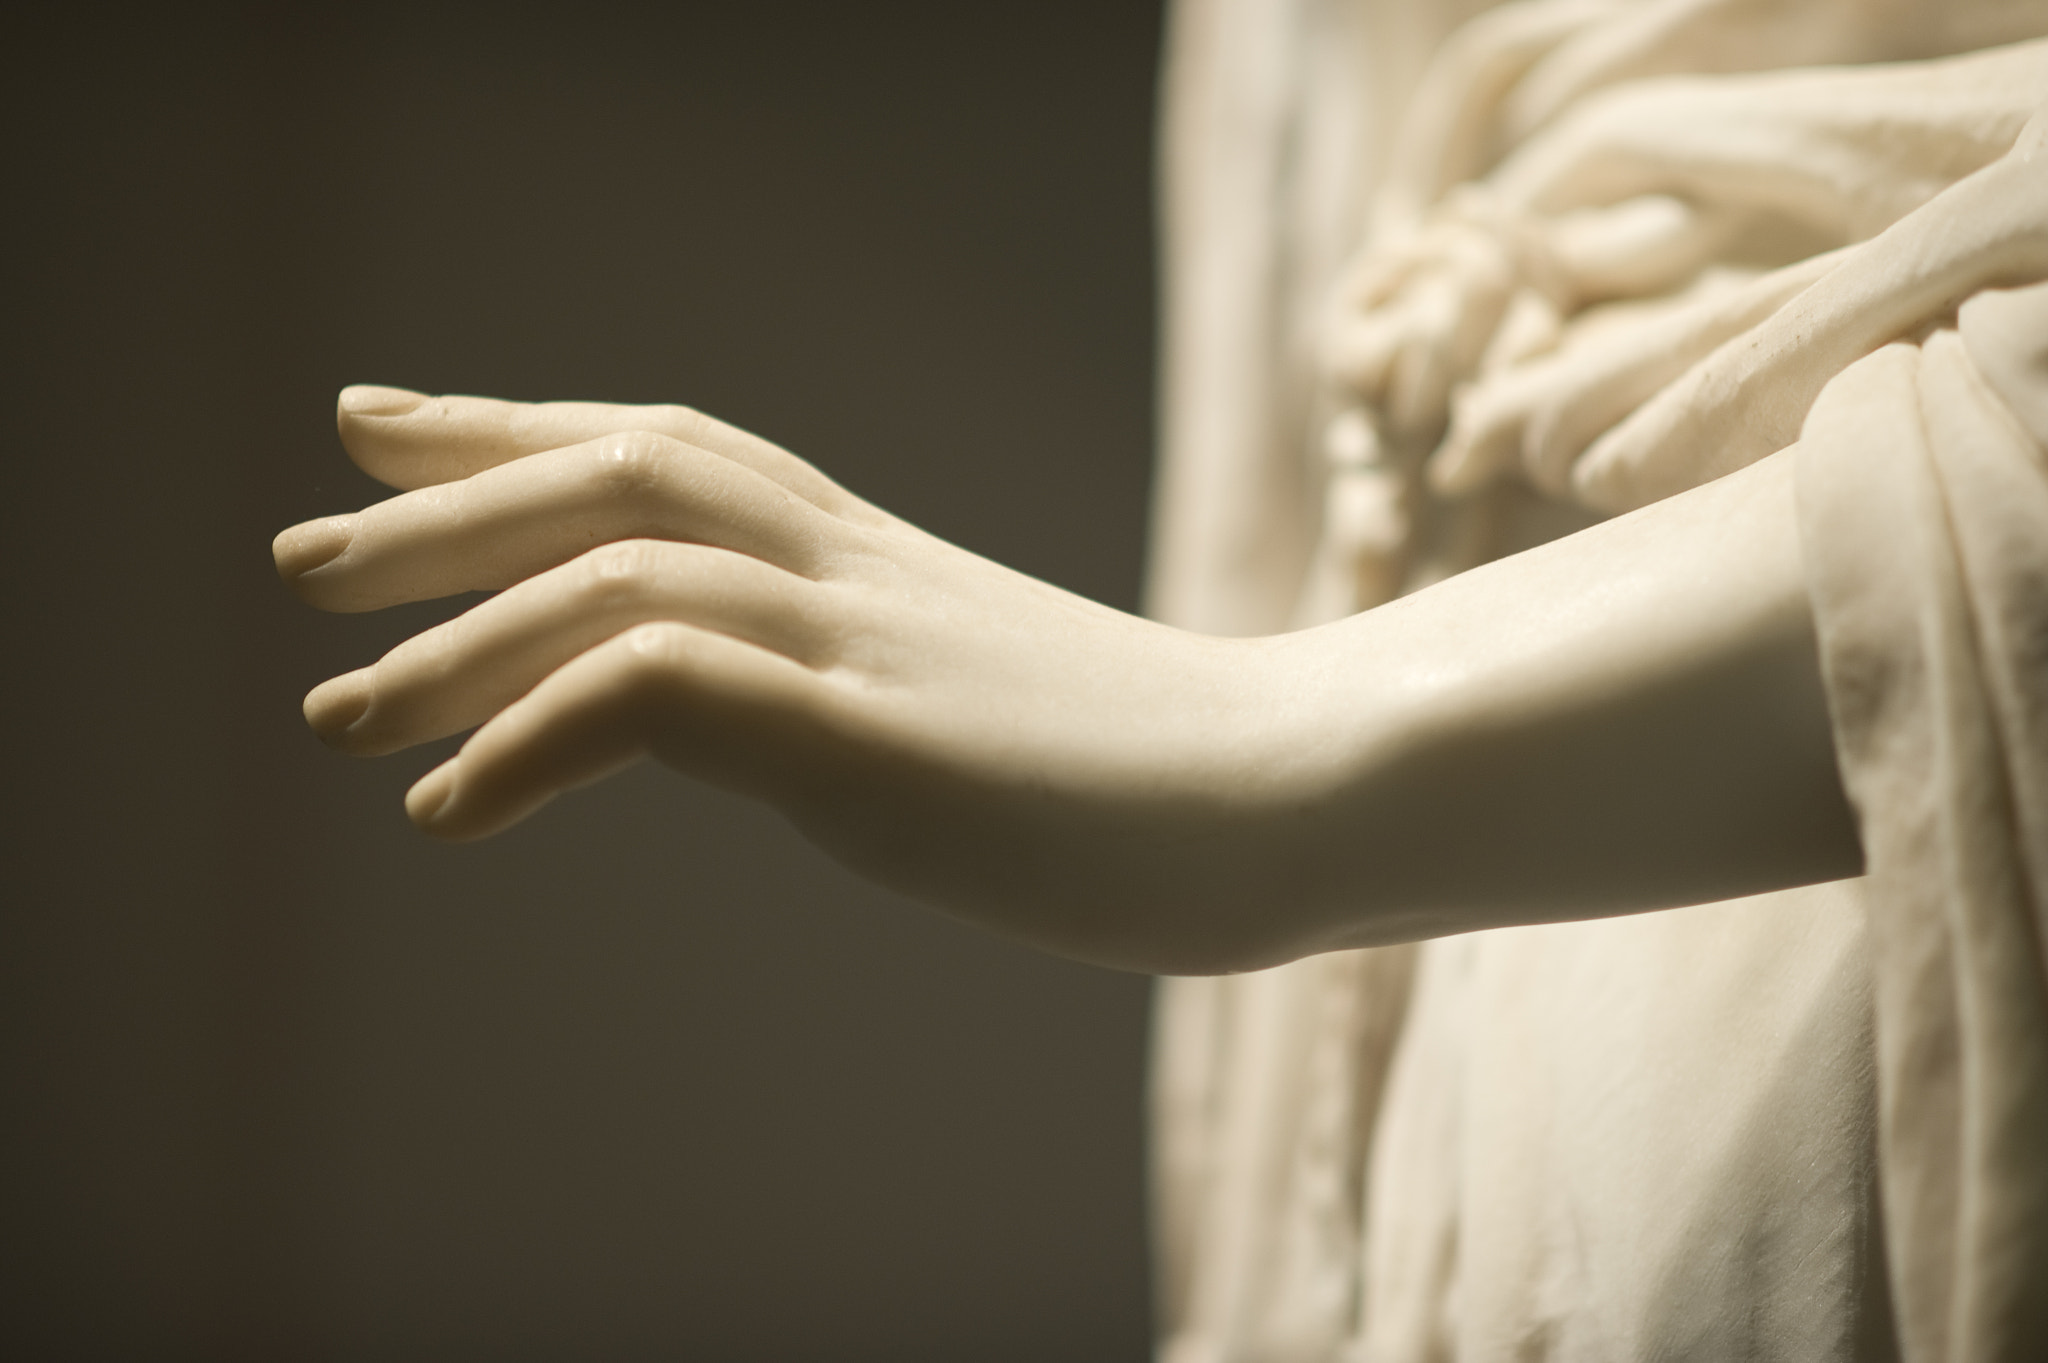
(1628, 718)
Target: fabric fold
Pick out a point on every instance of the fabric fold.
(1924, 518)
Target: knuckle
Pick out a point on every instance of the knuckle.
(619, 573)
(651, 649)
(631, 463)
(650, 661)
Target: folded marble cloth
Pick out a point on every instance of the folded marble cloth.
(1923, 491)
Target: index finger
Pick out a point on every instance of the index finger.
(411, 440)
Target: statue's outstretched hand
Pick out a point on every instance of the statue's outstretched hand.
(669, 585)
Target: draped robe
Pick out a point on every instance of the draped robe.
(1806, 1125)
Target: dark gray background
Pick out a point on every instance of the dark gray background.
(647, 1078)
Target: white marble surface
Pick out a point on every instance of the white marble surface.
(1438, 294)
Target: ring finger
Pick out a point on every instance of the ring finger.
(459, 674)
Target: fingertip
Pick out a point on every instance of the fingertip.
(380, 441)
(443, 805)
(371, 400)
(302, 548)
(427, 803)
(333, 706)
(411, 440)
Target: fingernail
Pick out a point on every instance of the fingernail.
(303, 548)
(367, 399)
(334, 705)
(430, 795)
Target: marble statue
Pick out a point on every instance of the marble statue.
(1605, 472)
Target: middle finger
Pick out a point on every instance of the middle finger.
(508, 523)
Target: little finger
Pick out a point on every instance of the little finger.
(712, 705)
